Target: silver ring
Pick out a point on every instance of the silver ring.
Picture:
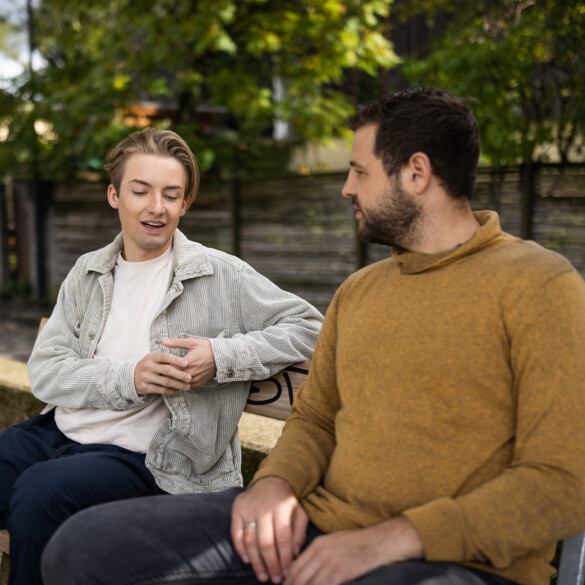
(249, 524)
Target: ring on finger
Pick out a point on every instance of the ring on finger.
(249, 524)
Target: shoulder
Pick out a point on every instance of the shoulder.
(194, 259)
(528, 261)
(526, 275)
(366, 280)
(371, 272)
(99, 261)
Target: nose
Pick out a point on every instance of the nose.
(349, 186)
(155, 204)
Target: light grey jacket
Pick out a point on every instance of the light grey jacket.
(255, 330)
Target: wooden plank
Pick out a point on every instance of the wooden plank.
(273, 397)
(4, 542)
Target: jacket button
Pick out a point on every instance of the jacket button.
(91, 335)
(230, 374)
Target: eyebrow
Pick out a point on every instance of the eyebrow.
(147, 184)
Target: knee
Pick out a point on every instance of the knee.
(37, 497)
(73, 552)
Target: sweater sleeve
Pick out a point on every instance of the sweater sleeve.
(302, 453)
(540, 497)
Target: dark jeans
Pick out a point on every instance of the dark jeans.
(185, 540)
(45, 478)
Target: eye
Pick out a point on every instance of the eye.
(139, 192)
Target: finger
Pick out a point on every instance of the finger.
(181, 342)
(172, 360)
(300, 522)
(303, 569)
(254, 551)
(284, 541)
(175, 376)
(156, 389)
(237, 534)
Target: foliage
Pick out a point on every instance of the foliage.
(524, 61)
(191, 56)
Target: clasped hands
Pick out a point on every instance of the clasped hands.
(269, 527)
(166, 373)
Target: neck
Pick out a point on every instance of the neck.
(445, 228)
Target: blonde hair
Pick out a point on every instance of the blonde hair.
(157, 142)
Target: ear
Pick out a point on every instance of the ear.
(418, 172)
(185, 206)
(112, 197)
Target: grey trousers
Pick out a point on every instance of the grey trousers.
(185, 540)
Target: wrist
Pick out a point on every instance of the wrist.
(401, 541)
(272, 482)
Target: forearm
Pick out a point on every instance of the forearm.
(300, 456)
(275, 329)
(73, 382)
(257, 355)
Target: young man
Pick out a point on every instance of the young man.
(439, 437)
(147, 359)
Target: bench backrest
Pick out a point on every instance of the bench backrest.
(273, 397)
(572, 561)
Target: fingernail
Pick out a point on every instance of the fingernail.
(262, 577)
(183, 363)
(276, 578)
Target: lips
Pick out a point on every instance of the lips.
(153, 225)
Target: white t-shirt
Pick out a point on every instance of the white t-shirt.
(139, 288)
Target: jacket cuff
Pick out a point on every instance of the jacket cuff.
(440, 528)
(229, 360)
(128, 395)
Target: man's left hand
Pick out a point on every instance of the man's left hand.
(201, 367)
(340, 557)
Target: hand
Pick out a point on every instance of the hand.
(344, 556)
(281, 526)
(161, 373)
(200, 360)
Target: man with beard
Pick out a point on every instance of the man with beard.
(438, 438)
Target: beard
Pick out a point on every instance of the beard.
(395, 222)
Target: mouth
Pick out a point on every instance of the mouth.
(153, 226)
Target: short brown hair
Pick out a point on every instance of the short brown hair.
(429, 120)
(158, 142)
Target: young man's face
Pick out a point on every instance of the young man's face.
(150, 204)
(385, 213)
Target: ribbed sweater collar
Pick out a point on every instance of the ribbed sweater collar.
(416, 262)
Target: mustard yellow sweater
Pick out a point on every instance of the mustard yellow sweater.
(450, 388)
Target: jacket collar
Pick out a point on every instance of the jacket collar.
(190, 259)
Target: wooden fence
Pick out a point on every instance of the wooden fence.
(299, 230)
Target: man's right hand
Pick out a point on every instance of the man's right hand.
(161, 373)
(278, 531)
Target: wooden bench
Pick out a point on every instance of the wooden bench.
(271, 398)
